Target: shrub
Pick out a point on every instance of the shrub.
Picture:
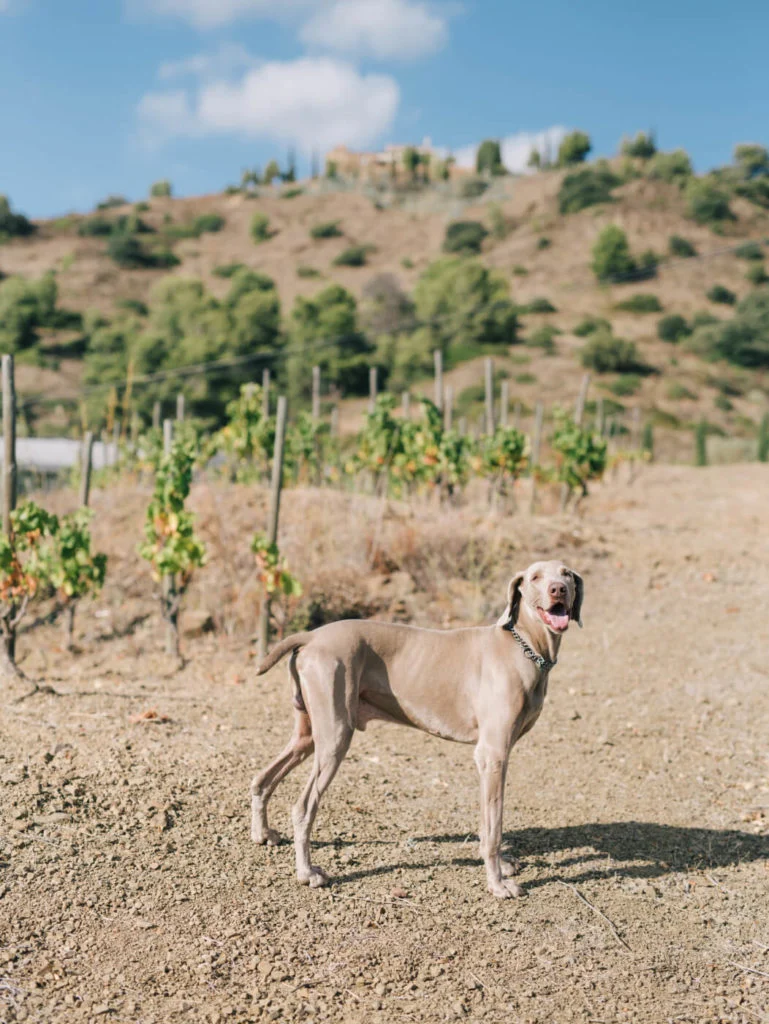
(133, 306)
(407, 263)
(543, 243)
(472, 188)
(625, 385)
(681, 247)
(304, 271)
(208, 222)
(519, 270)
(500, 226)
(642, 146)
(706, 203)
(260, 228)
(590, 324)
(111, 202)
(640, 304)
(228, 269)
(611, 254)
(544, 338)
(354, 256)
(749, 251)
(703, 319)
(95, 227)
(488, 159)
(677, 392)
(292, 193)
(573, 149)
(675, 167)
(538, 305)
(586, 188)
(606, 354)
(723, 403)
(161, 189)
(724, 296)
(673, 328)
(13, 225)
(26, 306)
(743, 340)
(756, 274)
(327, 229)
(464, 237)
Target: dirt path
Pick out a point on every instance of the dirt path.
(638, 808)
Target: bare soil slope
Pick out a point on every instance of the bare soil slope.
(406, 240)
(638, 806)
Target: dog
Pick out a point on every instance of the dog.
(483, 685)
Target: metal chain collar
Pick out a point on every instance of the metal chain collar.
(539, 660)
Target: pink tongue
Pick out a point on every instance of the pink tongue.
(557, 621)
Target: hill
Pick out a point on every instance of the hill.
(538, 252)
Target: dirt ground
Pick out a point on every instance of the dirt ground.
(638, 807)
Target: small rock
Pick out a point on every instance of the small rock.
(196, 623)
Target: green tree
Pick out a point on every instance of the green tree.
(611, 254)
(675, 167)
(260, 227)
(751, 159)
(324, 331)
(161, 189)
(465, 237)
(411, 160)
(707, 202)
(587, 187)
(573, 149)
(463, 304)
(488, 159)
(13, 225)
(606, 354)
(742, 340)
(271, 172)
(642, 147)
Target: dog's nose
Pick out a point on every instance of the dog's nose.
(557, 591)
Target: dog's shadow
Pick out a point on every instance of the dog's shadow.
(630, 849)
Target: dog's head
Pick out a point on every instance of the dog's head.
(549, 591)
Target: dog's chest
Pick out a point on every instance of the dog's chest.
(535, 699)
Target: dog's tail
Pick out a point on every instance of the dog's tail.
(291, 643)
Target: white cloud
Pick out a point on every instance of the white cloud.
(516, 149)
(384, 29)
(312, 102)
(205, 14)
(230, 57)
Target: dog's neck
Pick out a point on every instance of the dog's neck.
(536, 633)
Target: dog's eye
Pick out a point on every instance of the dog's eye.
(536, 577)
(567, 573)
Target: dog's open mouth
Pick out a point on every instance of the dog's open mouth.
(556, 617)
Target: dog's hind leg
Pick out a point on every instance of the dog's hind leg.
(299, 747)
(333, 732)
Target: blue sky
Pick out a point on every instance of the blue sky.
(104, 96)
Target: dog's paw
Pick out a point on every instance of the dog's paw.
(505, 890)
(265, 836)
(315, 877)
(509, 867)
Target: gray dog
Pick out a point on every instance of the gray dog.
(484, 685)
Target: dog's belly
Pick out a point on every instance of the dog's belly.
(380, 706)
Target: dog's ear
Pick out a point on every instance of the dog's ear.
(579, 594)
(510, 615)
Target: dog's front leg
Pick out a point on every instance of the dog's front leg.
(492, 767)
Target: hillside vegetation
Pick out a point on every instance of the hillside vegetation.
(650, 277)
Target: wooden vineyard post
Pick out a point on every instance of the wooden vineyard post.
(489, 379)
(9, 443)
(517, 416)
(372, 389)
(156, 416)
(438, 386)
(406, 405)
(316, 393)
(448, 408)
(168, 583)
(86, 462)
(265, 393)
(272, 526)
(8, 653)
(579, 411)
(180, 407)
(536, 446)
(334, 424)
(504, 402)
(599, 418)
